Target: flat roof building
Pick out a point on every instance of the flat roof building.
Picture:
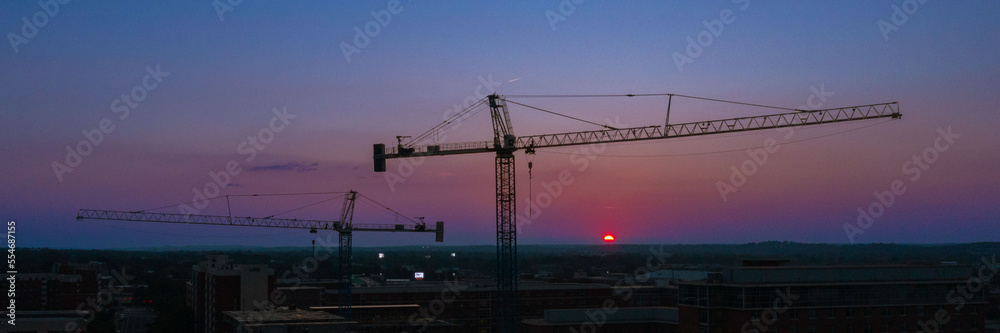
(218, 285)
(284, 320)
(609, 319)
(887, 298)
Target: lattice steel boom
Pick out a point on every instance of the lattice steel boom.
(718, 126)
(114, 215)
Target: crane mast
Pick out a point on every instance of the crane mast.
(344, 227)
(345, 255)
(505, 143)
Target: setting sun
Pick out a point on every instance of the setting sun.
(609, 238)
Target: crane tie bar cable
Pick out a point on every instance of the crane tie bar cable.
(303, 207)
(451, 121)
(387, 208)
(561, 115)
(658, 94)
(282, 194)
(238, 195)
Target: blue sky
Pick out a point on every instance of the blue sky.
(226, 76)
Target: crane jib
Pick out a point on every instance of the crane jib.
(95, 214)
(718, 126)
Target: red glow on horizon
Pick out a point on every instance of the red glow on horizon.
(609, 238)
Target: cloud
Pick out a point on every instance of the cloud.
(290, 166)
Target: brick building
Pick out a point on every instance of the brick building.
(217, 285)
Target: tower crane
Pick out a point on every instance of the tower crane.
(505, 143)
(344, 227)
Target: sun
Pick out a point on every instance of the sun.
(609, 238)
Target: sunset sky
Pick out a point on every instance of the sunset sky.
(179, 87)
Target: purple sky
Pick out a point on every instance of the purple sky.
(222, 76)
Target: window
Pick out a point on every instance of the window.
(830, 313)
(885, 312)
(812, 313)
(868, 312)
(849, 313)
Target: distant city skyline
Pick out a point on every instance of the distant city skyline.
(130, 106)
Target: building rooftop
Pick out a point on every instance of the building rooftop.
(385, 306)
(887, 274)
(50, 276)
(437, 286)
(637, 315)
(282, 316)
(299, 288)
